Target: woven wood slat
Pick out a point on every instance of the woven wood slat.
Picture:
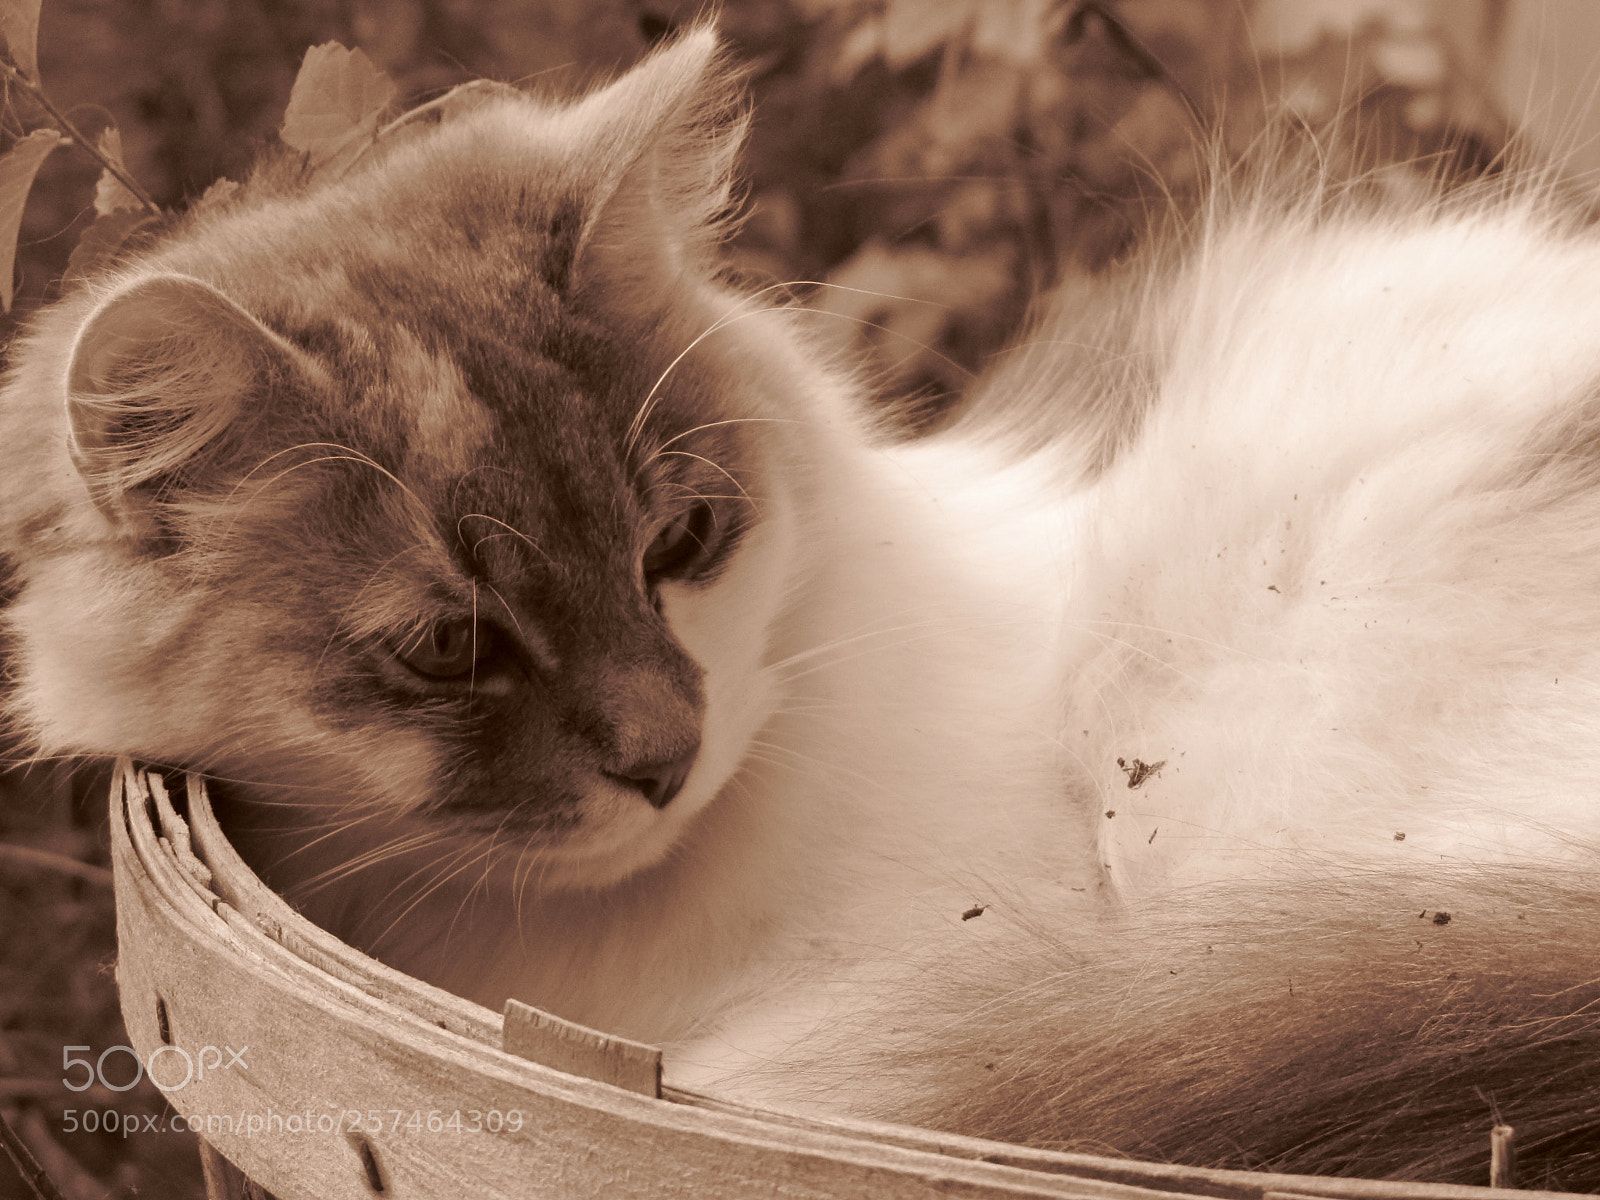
(328, 1070)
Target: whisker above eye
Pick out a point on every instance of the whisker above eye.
(647, 405)
(725, 421)
(343, 454)
(508, 531)
(699, 458)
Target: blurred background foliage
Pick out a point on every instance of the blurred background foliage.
(941, 161)
(954, 155)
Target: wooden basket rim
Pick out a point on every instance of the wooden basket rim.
(207, 951)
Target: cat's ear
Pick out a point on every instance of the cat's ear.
(158, 372)
(665, 138)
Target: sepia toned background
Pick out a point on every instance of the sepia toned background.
(940, 161)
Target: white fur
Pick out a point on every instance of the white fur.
(1313, 587)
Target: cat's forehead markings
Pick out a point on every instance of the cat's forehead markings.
(450, 426)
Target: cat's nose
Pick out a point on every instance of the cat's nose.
(658, 782)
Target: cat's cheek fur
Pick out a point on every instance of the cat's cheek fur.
(127, 674)
(725, 626)
(108, 664)
(67, 687)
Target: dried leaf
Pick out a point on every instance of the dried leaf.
(17, 170)
(110, 193)
(19, 26)
(863, 44)
(911, 28)
(1012, 30)
(335, 106)
(215, 196)
(103, 242)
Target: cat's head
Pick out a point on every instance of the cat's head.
(453, 490)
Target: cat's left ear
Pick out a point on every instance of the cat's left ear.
(664, 139)
(161, 372)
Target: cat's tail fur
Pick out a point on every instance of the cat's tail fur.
(1342, 1026)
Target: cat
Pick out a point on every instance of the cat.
(1188, 751)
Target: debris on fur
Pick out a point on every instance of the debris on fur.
(1138, 771)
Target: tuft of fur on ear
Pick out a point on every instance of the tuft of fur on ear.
(667, 135)
(158, 372)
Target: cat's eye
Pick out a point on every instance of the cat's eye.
(447, 649)
(684, 546)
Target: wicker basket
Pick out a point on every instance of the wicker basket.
(313, 1072)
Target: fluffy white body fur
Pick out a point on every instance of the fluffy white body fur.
(1340, 583)
(1241, 633)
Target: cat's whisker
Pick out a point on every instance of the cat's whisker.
(510, 612)
(444, 875)
(1107, 356)
(356, 600)
(268, 785)
(508, 530)
(377, 855)
(346, 454)
(860, 291)
(822, 650)
(1168, 631)
(690, 493)
(334, 826)
(872, 642)
(726, 421)
(528, 861)
(764, 749)
(446, 853)
(714, 466)
(492, 856)
(911, 342)
(472, 678)
(647, 405)
(38, 758)
(812, 704)
(535, 883)
(487, 857)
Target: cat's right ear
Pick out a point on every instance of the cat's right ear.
(159, 371)
(661, 145)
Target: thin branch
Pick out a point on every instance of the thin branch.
(49, 860)
(67, 127)
(27, 1166)
(437, 104)
(13, 1088)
